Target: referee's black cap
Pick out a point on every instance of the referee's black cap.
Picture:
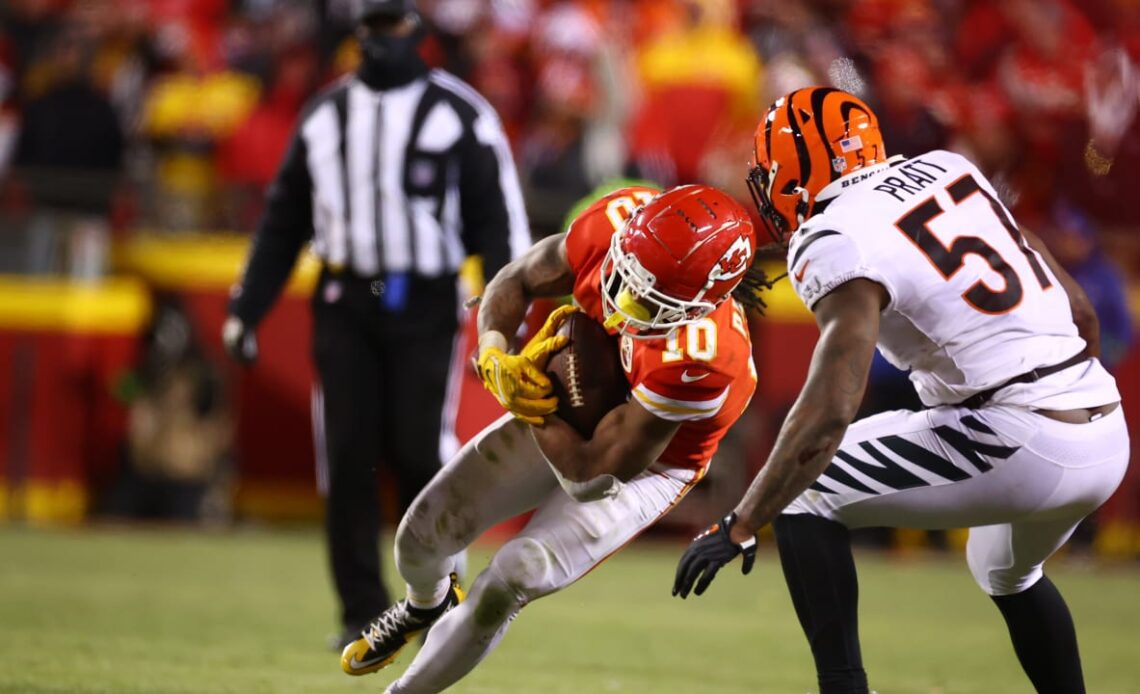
(383, 8)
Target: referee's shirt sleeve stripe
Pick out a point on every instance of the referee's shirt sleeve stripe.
(397, 110)
(322, 142)
(435, 128)
(438, 128)
(489, 131)
(450, 220)
(363, 171)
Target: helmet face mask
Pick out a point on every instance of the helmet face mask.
(774, 222)
(675, 259)
(633, 305)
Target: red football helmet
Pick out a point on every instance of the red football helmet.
(676, 259)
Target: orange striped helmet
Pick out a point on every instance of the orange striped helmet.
(805, 141)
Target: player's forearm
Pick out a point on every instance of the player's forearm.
(626, 441)
(564, 449)
(798, 459)
(813, 429)
(581, 460)
(579, 474)
(503, 308)
(542, 272)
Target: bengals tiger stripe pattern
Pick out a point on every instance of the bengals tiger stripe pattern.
(806, 140)
(876, 466)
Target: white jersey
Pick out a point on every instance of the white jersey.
(971, 304)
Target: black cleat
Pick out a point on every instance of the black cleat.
(384, 637)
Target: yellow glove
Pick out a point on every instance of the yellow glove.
(554, 321)
(518, 381)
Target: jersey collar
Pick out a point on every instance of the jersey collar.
(841, 184)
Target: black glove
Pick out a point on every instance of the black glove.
(239, 340)
(707, 553)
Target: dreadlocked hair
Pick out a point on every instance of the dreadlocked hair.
(749, 293)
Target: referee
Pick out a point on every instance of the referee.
(395, 174)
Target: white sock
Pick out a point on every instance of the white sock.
(425, 598)
(429, 599)
(457, 642)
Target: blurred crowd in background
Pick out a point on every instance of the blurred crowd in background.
(172, 115)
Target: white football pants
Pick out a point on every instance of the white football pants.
(1020, 481)
(495, 476)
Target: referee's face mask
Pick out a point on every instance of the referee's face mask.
(388, 48)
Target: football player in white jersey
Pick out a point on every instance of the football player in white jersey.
(1024, 434)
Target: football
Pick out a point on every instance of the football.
(586, 374)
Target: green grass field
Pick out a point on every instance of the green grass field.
(108, 610)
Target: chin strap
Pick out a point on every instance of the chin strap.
(802, 207)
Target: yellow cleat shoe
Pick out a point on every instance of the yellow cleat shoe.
(384, 637)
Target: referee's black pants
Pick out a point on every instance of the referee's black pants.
(383, 373)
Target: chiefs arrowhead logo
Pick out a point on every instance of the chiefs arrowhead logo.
(734, 261)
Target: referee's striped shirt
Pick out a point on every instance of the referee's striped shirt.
(405, 180)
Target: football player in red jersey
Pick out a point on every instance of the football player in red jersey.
(658, 269)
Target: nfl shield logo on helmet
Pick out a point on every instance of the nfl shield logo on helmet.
(839, 165)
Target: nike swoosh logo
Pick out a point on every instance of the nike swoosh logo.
(690, 379)
(800, 274)
(357, 664)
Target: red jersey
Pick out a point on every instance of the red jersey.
(701, 375)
